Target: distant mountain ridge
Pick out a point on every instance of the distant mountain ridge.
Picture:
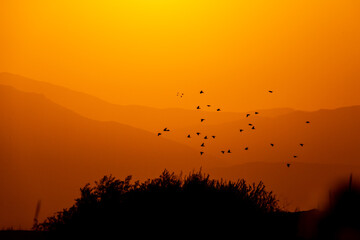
(151, 119)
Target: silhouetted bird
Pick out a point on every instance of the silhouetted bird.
(301, 144)
(250, 124)
(201, 153)
(166, 130)
(307, 121)
(205, 137)
(188, 136)
(272, 144)
(222, 152)
(295, 156)
(202, 119)
(159, 134)
(208, 105)
(270, 91)
(241, 130)
(202, 145)
(201, 92)
(246, 148)
(288, 164)
(253, 127)
(256, 112)
(218, 110)
(229, 151)
(198, 107)
(247, 114)
(198, 133)
(213, 136)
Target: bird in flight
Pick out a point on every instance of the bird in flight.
(202, 119)
(198, 107)
(229, 151)
(256, 112)
(250, 124)
(241, 130)
(246, 148)
(201, 153)
(213, 136)
(198, 133)
(295, 156)
(201, 92)
(166, 130)
(188, 136)
(247, 115)
(288, 164)
(270, 91)
(159, 134)
(271, 144)
(253, 127)
(205, 137)
(208, 105)
(222, 152)
(301, 144)
(307, 121)
(202, 145)
(180, 94)
(218, 110)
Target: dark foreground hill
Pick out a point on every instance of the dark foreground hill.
(172, 206)
(11, 234)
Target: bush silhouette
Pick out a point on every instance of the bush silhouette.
(169, 204)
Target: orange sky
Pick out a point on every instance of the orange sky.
(144, 51)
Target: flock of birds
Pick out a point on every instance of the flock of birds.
(288, 164)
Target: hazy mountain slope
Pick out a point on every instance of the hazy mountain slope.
(303, 186)
(47, 152)
(34, 130)
(147, 118)
(332, 136)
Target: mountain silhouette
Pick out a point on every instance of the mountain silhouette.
(53, 138)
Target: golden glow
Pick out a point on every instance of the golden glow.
(144, 51)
